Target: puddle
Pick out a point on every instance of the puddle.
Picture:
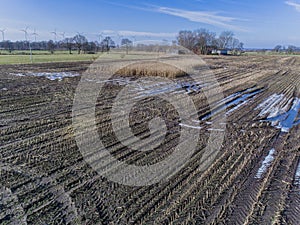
(51, 76)
(281, 112)
(233, 102)
(297, 176)
(266, 164)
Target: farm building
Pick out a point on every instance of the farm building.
(220, 52)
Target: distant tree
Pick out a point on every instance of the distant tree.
(291, 49)
(241, 46)
(277, 48)
(187, 39)
(8, 46)
(107, 44)
(204, 41)
(226, 40)
(69, 44)
(126, 43)
(51, 46)
(89, 47)
(79, 41)
(93, 46)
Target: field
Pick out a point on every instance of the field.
(61, 56)
(255, 178)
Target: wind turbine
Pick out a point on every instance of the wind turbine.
(100, 36)
(120, 36)
(80, 33)
(2, 31)
(35, 34)
(26, 38)
(25, 33)
(134, 40)
(55, 35)
(63, 34)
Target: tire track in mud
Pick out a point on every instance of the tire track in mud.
(246, 201)
(191, 197)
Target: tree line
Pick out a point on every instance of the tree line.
(202, 41)
(77, 43)
(289, 50)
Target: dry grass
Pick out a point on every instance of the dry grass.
(151, 69)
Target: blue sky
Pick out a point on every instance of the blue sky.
(257, 23)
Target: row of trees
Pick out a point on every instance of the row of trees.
(78, 42)
(289, 50)
(200, 41)
(203, 41)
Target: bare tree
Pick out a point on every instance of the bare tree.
(277, 48)
(107, 44)
(28, 41)
(225, 39)
(51, 46)
(291, 49)
(69, 44)
(79, 40)
(127, 43)
(204, 41)
(186, 39)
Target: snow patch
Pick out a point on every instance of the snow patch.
(266, 164)
(143, 90)
(280, 111)
(271, 105)
(215, 129)
(234, 102)
(51, 76)
(189, 126)
(297, 176)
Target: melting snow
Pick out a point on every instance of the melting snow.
(281, 112)
(214, 129)
(235, 101)
(297, 176)
(164, 87)
(51, 76)
(121, 81)
(189, 126)
(266, 164)
(271, 105)
(18, 74)
(147, 88)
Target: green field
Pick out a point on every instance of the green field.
(23, 57)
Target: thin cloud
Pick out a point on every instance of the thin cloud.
(139, 34)
(211, 18)
(293, 4)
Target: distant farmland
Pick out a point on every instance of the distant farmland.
(255, 179)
